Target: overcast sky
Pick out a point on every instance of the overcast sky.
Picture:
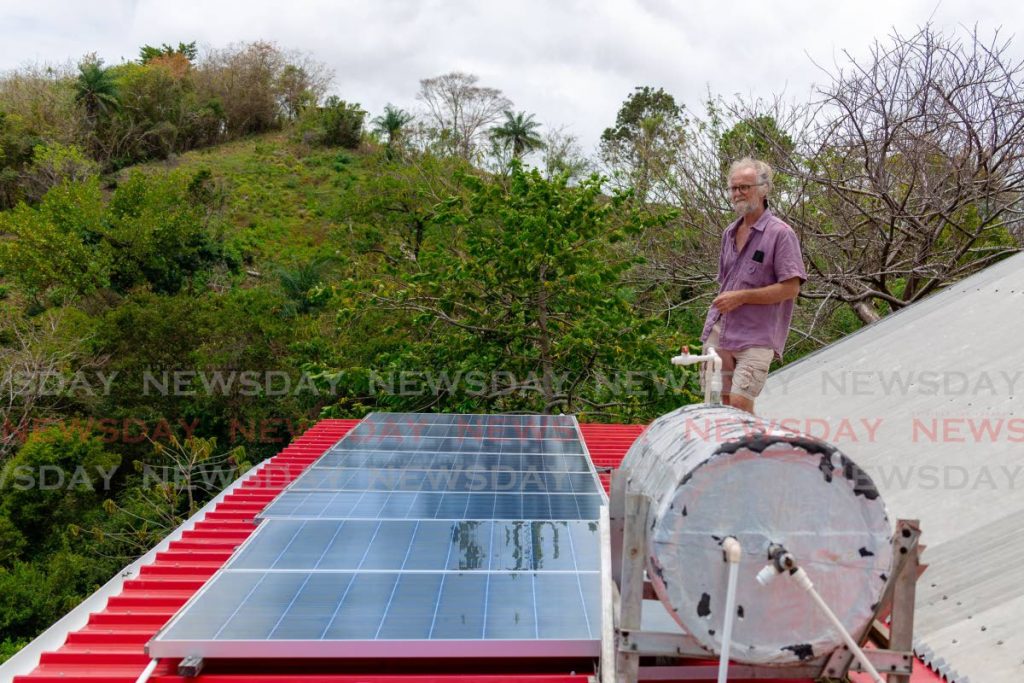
(570, 62)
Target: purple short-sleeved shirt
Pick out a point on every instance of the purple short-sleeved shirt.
(771, 255)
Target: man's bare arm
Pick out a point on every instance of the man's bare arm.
(770, 294)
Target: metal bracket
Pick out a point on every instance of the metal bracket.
(661, 644)
(190, 667)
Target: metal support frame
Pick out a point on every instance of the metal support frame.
(893, 653)
(627, 535)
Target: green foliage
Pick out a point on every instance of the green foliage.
(649, 129)
(9, 647)
(56, 250)
(169, 486)
(57, 477)
(54, 164)
(518, 132)
(12, 541)
(189, 51)
(203, 364)
(392, 124)
(295, 91)
(96, 89)
(159, 232)
(154, 231)
(534, 290)
(16, 149)
(395, 204)
(335, 124)
(643, 114)
(37, 594)
(162, 113)
(759, 137)
(305, 285)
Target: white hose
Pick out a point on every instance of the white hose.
(805, 582)
(147, 672)
(733, 553)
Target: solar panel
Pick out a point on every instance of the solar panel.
(361, 613)
(455, 461)
(425, 545)
(458, 535)
(432, 505)
(409, 479)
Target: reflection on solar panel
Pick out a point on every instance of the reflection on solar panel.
(458, 535)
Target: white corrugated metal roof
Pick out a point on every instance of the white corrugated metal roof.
(930, 402)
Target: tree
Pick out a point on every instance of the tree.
(519, 133)
(59, 474)
(96, 89)
(53, 251)
(648, 129)
(757, 136)
(258, 85)
(180, 477)
(563, 155)
(187, 50)
(915, 169)
(392, 124)
(156, 117)
(301, 84)
(39, 357)
(529, 293)
(395, 204)
(461, 111)
(336, 123)
(154, 231)
(16, 151)
(42, 101)
(54, 164)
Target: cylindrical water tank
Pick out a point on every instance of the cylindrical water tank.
(712, 472)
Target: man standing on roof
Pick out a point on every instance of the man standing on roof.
(759, 275)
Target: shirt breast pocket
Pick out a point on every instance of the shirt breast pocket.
(756, 275)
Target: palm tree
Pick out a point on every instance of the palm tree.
(392, 124)
(96, 89)
(305, 284)
(519, 131)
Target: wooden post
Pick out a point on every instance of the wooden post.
(901, 624)
(617, 518)
(634, 543)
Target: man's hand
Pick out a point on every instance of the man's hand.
(730, 301)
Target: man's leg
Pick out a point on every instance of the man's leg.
(749, 376)
(741, 402)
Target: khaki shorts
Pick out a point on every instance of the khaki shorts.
(743, 372)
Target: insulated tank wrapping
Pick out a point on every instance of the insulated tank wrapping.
(713, 471)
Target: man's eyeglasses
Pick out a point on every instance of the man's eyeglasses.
(742, 189)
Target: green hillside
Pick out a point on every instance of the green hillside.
(168, 324)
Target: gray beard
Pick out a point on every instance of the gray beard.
(742, 208)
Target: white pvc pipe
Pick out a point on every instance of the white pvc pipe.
(733, 553)
(805, 582)
(713, 384)
(147, 672)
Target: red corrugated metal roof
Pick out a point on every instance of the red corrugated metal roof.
(110, 647)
